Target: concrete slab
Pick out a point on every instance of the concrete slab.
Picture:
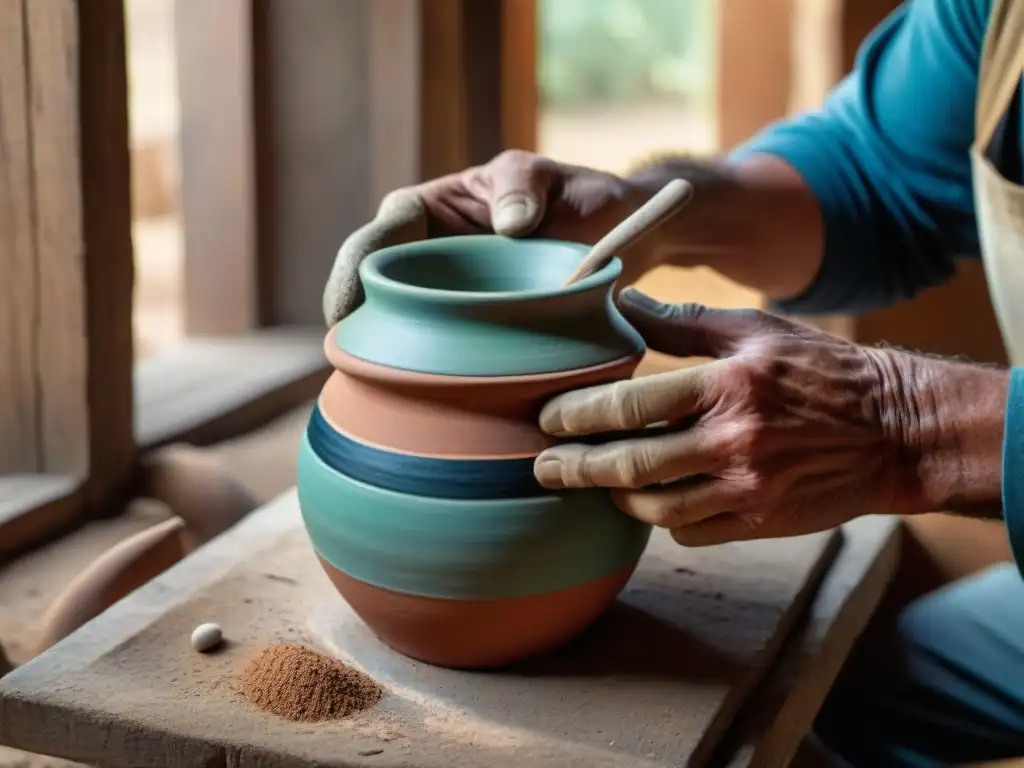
(657, 681)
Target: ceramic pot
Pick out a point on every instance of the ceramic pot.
(415, 473)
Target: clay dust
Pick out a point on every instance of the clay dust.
(302, 685)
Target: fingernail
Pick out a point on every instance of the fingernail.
(548, 471)
(514, 215)
(551, 420)
(641, 301)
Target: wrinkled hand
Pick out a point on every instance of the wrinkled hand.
(790, 430)
(517, 193)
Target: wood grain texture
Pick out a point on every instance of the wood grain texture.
(215, 388)
(65, 226)
(753, 39)
(62, 336)
(461, 82)
(21, 447)
(33, 507)
(215, 49)
(105, 193)
(653, 684)
(769, 731)
(394, 112)
(520, 96)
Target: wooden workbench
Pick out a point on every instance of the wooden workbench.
(697, 637)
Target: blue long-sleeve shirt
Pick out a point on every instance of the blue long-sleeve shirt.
(888, 158)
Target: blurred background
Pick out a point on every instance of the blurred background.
(615, 79)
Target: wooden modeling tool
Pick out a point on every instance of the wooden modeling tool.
(669, 200)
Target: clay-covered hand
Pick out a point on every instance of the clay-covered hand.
(789, 430)
(517, 193)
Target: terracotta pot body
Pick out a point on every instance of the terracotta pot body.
(416, 470)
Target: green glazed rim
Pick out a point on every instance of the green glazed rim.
(463, 549)
(468, 332)
(371, 275)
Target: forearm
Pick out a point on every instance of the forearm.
(949, 427)
(756, 221)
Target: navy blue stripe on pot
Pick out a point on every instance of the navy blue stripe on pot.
(463, 549)
(421, 475)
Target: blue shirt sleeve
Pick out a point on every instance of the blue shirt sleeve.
(1013, 466)
(887, 156)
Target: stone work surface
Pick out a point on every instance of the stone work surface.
(656, 682)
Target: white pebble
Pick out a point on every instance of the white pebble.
(206, 637)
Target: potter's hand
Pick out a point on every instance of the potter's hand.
(790, 430)
(517, 193)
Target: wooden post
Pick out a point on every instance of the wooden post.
(519, 90)
(216, 48)
(461, 81)
(65, 249)
(753, 73)
(298, 116)
(363, 96)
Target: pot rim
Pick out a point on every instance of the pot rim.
(370, 272)
(402, 378)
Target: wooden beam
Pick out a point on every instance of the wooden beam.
(394, 112)
(21, 449)
(519, 89)
(35, 507)
(215, 49)
(105, 190)
(753, 73)
(65, 214)
(298, 116)
(211, 389)
(315, 90)
(362, 97)
(453, 83)
(461, 104)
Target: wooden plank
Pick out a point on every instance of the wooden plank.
(214, 47)
(480, 42)
(444, 124)
(21, 449)
(108, 257)
(71, 346)
(452, 83)
(59, 235)
(210, 389)
(519, 89)
(33, 507)
(461, 102)
(395, 119)
(349, 101)
(316, 90)
(775, 721)
(690, 634)
(753, 72)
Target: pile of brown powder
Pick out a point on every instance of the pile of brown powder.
(299, 684)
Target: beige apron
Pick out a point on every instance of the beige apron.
(999, 203)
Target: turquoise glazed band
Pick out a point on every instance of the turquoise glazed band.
(502, 310)
(463, 549)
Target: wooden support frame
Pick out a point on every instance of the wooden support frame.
(66, 253)
(255, 189)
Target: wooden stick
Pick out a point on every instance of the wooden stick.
(655, 212)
